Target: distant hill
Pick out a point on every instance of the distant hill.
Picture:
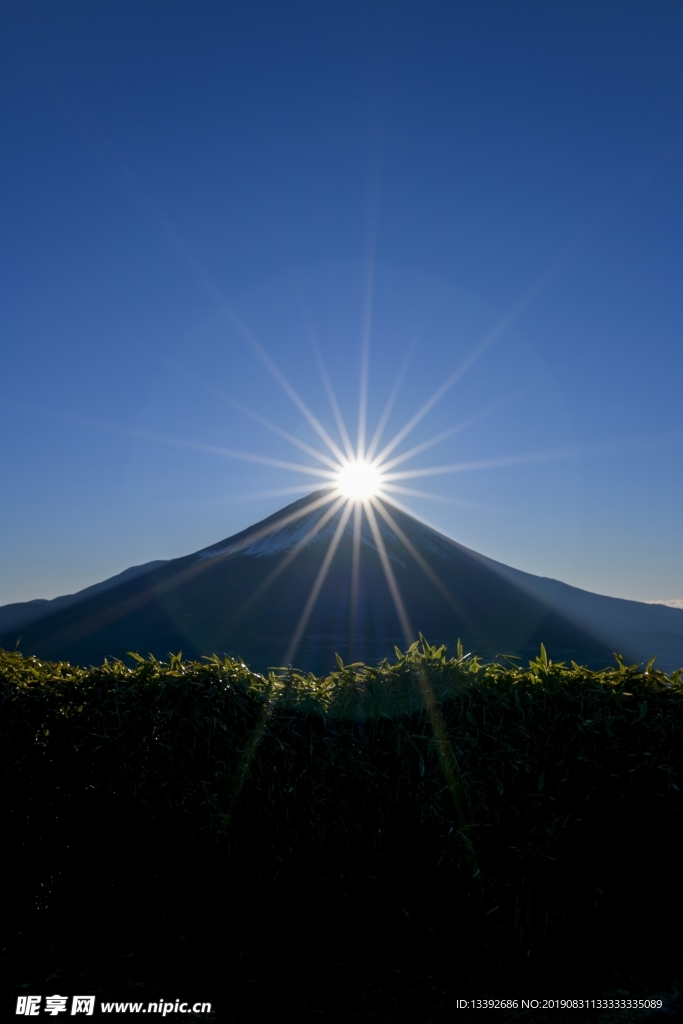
(245, 596)
(21, 613)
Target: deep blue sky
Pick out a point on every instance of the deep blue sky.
(480, 157)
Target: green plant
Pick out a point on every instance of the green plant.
(529, 804)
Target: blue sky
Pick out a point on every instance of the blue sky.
(435, 171)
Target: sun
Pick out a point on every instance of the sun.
(358, 481)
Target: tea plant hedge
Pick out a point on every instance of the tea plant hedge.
(500, 806)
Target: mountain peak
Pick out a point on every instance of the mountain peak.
(325, 576)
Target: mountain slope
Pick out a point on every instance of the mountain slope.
(246, 595)
(21, 613)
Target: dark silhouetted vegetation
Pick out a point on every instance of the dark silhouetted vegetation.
(196, 826)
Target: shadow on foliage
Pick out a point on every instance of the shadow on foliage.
(391, 837)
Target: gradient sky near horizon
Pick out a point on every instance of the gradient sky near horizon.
(435, 171)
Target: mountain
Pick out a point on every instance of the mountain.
(21, 613)
(281, 591)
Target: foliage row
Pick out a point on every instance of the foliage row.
(513, 800)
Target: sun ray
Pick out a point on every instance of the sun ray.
(277, 524)
(368, 307)
(219, 298)
(291, 556)
(334, 405)
(436, 397)
(432, 496)
(527, 458)
(229, 499)
(88, 624)
(256, 346)
(396, 597)
(317, 585)
(363, 402)
(396, 503)
(229, 453)
(355, 576)
(289, 390)
(120, 169)
(412, 550)
(309, 449)
(551, 455)
(397, 384)
(455, 429)
(365, 359)
(277, 492)
(424, 445)
(447, 758)
(180, 442)
(327, 383)
(386, 412)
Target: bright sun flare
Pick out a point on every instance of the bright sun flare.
(358, 481)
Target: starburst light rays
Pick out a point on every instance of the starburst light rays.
(437, 438)
(386, 412)
(120, 169)
(433, 400)
(293, 554)
(334, 404)
(358, 480)
(333, 460)
(317, 585)
(327, 383)
(525, 458)
(273, 427)
(355, 576)
(289, 390)
(277, 524)
(367, 332)
(412, 550)
(230, 499)
(413, 492)
(394, 590)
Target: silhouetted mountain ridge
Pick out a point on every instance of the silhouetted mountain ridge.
(246, 596)
(21, 613)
